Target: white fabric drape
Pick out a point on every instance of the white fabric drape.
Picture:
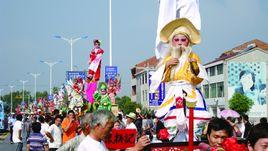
(170, 10)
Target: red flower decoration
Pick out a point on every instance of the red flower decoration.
(231, 144)
(179, 102)
(163, 134)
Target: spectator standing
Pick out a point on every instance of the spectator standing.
(258, 137)
(247, 126)
(72, 145)
(17, 132)
(102, 123)
(36, 141)
(11, 122)
(54, 133)
(217, 131)
(241, 126)
(27, 126)
(131, 117)
(69, 126)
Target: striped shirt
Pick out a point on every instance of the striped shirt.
(37, 142)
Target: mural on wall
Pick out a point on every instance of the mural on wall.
(249, 78)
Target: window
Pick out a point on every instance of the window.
(212, 71)
(220, 89)
(220, 69)
(213, 90)
(206, 91)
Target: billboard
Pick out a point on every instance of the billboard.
(70, 75)
(156, 99)
(110, 72)
(249, 79)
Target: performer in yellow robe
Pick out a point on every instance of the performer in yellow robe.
(181, 69)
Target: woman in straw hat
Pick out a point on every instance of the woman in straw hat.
(182, 70)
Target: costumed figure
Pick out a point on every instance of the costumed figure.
(173, 9)
(181, 69)
(102, 99)
(114, 86)
(95, 61)
(76, 99)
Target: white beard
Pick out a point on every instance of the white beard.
(180, 53)
(177, 52)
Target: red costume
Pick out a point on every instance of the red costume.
(95, 61)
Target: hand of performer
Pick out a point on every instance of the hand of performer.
(172, 62)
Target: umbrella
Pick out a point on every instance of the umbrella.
(229, 113)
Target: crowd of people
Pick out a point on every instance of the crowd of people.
(68, 131)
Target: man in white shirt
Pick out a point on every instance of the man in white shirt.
(101, 124)
(54, 133)
(11, 122)
(131, 117)
(17, 132)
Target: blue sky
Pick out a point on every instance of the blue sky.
(27, 29)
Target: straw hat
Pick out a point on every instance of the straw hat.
(132, 115)
(180, 26)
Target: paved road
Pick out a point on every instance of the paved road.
(6, 146)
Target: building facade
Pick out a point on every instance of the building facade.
(227, 75)
(140, 81)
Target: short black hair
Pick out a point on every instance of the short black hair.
(57, 116)
(36, 127)
(71, 111)
(19, 117)
(41, 119)
(218, 124)
(245, 117)
(263, 120)
(258, 131)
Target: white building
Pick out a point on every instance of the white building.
(226, 71)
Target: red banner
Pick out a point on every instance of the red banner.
(121, 139)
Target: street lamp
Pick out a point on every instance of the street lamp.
(110, 30)
(35, 75)
(50, 64)
(11, 101)
(71, 42)
(23, 82)
(1, 93)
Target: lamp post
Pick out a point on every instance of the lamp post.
(11, 101)
(71, 42)
(1, 93)
(110, 29)
(35, 75)
(50, 64)
(23, 82)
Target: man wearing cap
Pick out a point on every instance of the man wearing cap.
(181, 69)
(95, 61)
(131, 117)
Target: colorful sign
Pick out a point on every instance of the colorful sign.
(121, 139)
(2, 114)
(110, 72)
(70, 75)
(156, 99)
(249, 79)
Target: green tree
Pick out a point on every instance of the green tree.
(124, 103)
(240, 103)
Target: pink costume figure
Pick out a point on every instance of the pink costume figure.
(91, 88)
(95, 61)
